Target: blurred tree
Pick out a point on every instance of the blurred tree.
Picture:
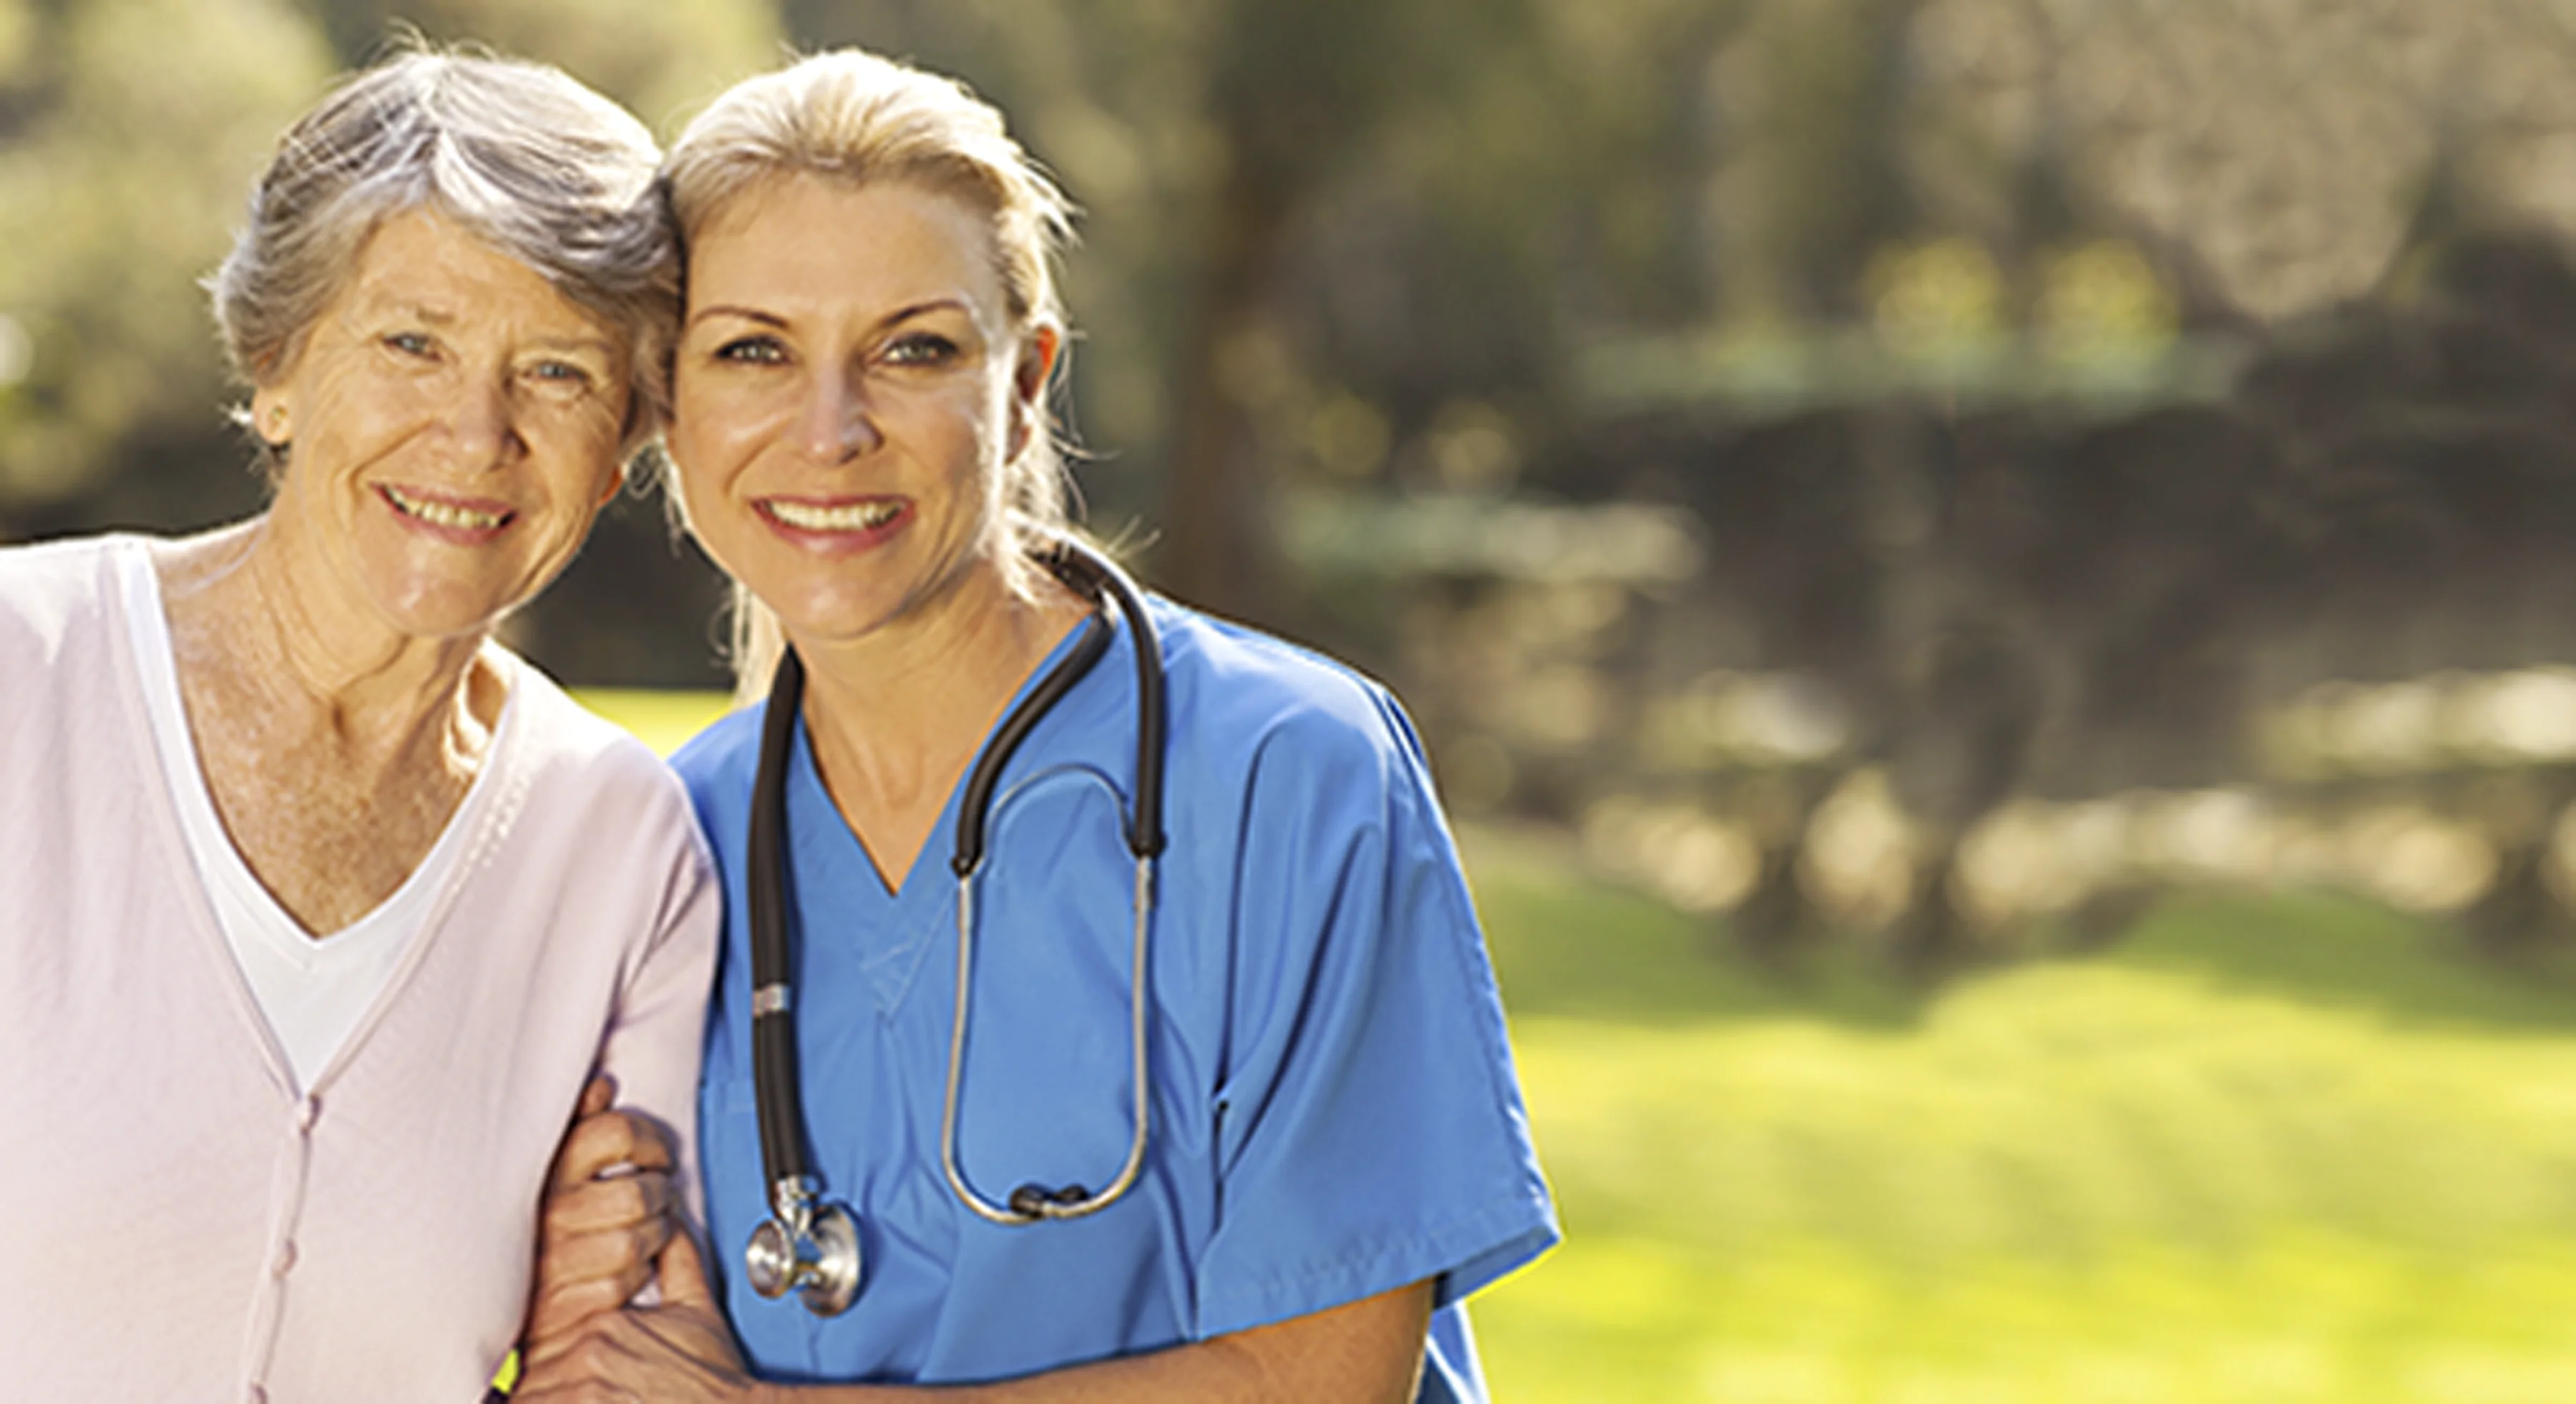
(2277, 155)
(107, 366)
(1808, 177)
(1250, 107)
(662, 60)
(1320, 225)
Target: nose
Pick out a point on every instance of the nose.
(838, 425)
(484, 425)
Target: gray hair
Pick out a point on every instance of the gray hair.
(516, 153)
(855, 118)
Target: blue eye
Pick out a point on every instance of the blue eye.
(411, 343)
(921, 349)
(559, 370)
(752, 350)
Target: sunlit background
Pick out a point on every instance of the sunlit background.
(1992, 584)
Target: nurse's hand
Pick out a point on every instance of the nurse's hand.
(1363, 1352)
(675, 1353)
(608, 1212)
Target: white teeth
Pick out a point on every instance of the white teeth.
(445, 514)
(857, 516)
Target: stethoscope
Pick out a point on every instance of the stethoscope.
(811, 1245)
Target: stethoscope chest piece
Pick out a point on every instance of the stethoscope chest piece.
(808, 1248)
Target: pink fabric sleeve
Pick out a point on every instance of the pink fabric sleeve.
(658, 1029)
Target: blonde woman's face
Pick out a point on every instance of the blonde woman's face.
(848, 387)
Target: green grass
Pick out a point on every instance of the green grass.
(662, 719)
(2290, 1149)
(2282, 1149)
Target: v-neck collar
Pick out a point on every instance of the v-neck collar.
(480, 818)
(893, 930)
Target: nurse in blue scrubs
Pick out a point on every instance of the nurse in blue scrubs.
(1334, 1154)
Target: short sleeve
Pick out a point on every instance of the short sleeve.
(1370, 1129)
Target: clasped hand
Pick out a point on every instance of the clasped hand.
(609, 1227)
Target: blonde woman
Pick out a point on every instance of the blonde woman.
(1210, 1106)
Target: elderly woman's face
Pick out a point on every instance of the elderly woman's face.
(455, 425)
(848, 386)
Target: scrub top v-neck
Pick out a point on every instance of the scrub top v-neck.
(1333, 1108)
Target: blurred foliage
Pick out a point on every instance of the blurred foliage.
(662, 60)
(1358, 249)
(109, 221)
(1310, 224)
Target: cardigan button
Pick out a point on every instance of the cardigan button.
(285, 1261)
(307, 1112)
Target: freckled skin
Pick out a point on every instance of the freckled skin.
(328, 651)
(851, 347)
(452, 374)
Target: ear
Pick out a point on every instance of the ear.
(616, 480)
(270, 417)
(1038, 354)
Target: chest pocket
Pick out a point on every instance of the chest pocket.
(1047, 1090)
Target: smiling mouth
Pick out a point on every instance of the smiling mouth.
(445, 514)
(852, 516)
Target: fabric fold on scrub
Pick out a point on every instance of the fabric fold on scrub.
(1333, 1108)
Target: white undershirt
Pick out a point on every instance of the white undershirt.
(311, 990)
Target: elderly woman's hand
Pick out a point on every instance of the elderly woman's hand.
(608, 1213)
(677, 1353)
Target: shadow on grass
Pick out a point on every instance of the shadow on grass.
(2340, 951)
(1568, 946)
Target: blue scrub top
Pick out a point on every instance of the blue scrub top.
(1334, 1112)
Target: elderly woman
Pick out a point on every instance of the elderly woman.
(1118, 958)
(322, 907)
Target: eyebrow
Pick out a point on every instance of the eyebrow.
(603, 345)
(419, 310)
(435, 317)
(771, 319)
(747, 314)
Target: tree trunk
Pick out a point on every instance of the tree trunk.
(1217, 551)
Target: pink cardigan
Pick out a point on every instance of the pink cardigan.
(176, 1223)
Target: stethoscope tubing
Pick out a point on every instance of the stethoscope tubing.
(1031, 1203)
(793, 1189)
(773, 1021)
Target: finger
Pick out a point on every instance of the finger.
(566, 1323)
(563, 1309)
(572, 1390)
(555, 1324)
(625, 1253)
(595, 1142)
(683, 1275)
(578, 1373)
(598, 1205)
(609, 1138)
(597, 1095)
(579, 1276)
